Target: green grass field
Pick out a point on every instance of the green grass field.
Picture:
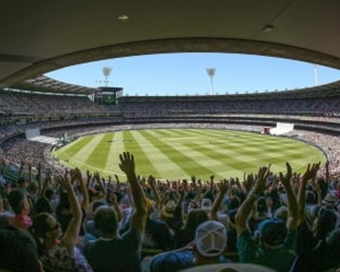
(182, 153)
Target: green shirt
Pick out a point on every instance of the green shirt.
(279, 259)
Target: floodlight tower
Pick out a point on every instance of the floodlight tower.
(106, 73)
(211, 73)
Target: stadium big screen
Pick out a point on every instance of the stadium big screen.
(109, 99)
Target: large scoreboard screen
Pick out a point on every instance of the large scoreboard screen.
(109, 99)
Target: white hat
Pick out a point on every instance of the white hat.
(211, 238)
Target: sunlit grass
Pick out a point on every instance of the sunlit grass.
(182, 153)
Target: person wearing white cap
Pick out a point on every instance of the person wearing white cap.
(207, 248)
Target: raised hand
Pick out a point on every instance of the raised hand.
(127, 163)
(248, 182)
(261, 180)
(223, 186)
(286, 179)
(63, 181)
(96, 176)
(311, 172)
(151, 181)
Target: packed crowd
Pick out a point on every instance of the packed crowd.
(78, 221)
(320, 106)
(16, 103)
(49, 105)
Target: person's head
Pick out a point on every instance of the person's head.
(43, 205)
(50, 193)
(330, 201)
(97, 204)
(324, 223)
(210, 240)
(22, 182)
(18, 201)
(106, 221)
(46, 227)
(64, 202)
(271, 233)
(310, 198)
(210, 195)
(190, 196)
(233, 203)
(18, 251)
(281, 213)
(261, 205)
(167, 212)
(195, 218)
(206, 204)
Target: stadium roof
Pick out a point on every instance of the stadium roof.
(42, 36)
(48, 85)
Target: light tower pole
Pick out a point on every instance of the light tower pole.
(211, 73)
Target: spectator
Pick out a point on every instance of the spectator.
(207, 248)
(187, 234)
(20, 206)
(111, 251)
(56, 253)
(275, 243)
(18, 251)
(5, 215)
(157, 233)
(314, 251)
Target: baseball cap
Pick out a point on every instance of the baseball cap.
(273, 231)
(211, 238)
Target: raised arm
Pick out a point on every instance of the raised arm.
(70, 237)
(102, 194)
(138, 219)
(292, 217)
(40, 187)
(29, 166)
(223, 186)
(85, 204)
(152, 184)
(247, 206)
(310, 173)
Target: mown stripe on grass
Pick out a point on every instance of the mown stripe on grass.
(232, 152)
(186, 162)
(134, 144)
(116, 147)
(155, 158)
(230, 161)
(97, 151)
(76, 146)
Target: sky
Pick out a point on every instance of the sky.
(186, 74)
